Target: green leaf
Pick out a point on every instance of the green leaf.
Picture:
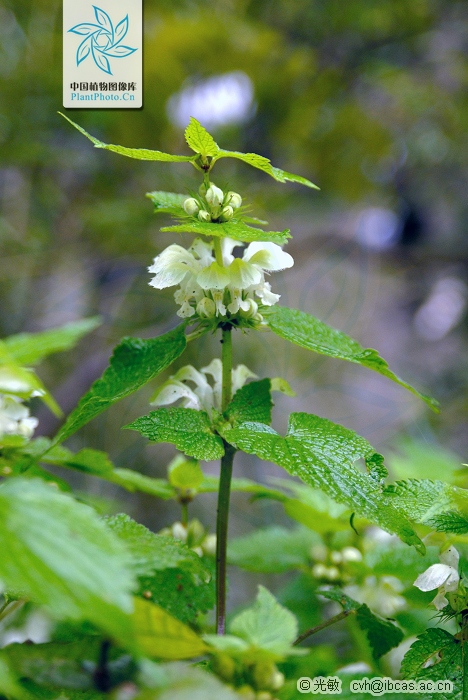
(98, 464)
(267, 625)
(322, 454)
(177, 579)
(185, 474)
(313, 508)
(252, 402)
(383, 635)
(199, 139)
(151, 552)
(159, 635)
(31, 348)
(9, 686)
(58, 553)
(308, 332)
(431, 642)
(272, 550)
(236, 229)
(264, 164)
(420, 460)
(134, 363)
(176, 681)
(189, 430)
(433, 503)
(168, 202)
(138, 153)
(444, 653)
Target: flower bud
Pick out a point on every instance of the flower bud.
(179, 532)
(204, 216)
(333, 573)
(214, 196)
(251, 311)
(191, 206)
(227, 213)
(197, 550)
(209, 545)
(319, 571)
(351, 554)
(336, 557)
(206, 308)
(234, 199)
(224, 666)
(195, 532)
(203, 188)
(277, 680)
(262, 674)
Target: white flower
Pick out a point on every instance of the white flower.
(203, 396)
(234, 200)
(227, 213)
(214, 196)
(15, 418)
(380, 594)
(443, 576)
(236, 286)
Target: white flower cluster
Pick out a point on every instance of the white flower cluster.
(194, 536)
(15, 418)
(443, 576)
(210, 289)
(204, 396)
(213, 204)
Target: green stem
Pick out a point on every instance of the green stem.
(218, 251)
(323, 625)
(184, 519)
(224, 492)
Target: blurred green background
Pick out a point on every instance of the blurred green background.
(367, 99)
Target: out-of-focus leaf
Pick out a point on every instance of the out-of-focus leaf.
(31, 348)
(273, 549)
(159, 635)
(57, 552)
(177, 681)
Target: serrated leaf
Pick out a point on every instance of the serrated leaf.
(235, 229)
(58, 553)
(135, 362)
(199, 139)
(189, 430)
(382, 634)
(267, 625)
(31, 348)
(159, 635)
(138, 153)
(445, 653)
(308, 332)
(168, 202)
(272, 550)
(262, 163)
(252, 402)
(433, 503)
(151, 552)
(322, 454)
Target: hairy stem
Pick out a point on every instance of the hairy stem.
(224, 492)
(323, 625)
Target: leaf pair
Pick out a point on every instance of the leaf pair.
(205, 147)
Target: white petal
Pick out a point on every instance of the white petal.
(172, 391)
(451, 583)
(440, 601)
(203, 251)
(169, 276)
(213, 277)
(243, 274)
(268, 256)
(434, 577)
(206, 308)
(267, 297)
(218, 298)
(450, 557)
(215, 369)
(186, 311)
(240, 376)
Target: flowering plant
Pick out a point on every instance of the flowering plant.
(145, 594)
